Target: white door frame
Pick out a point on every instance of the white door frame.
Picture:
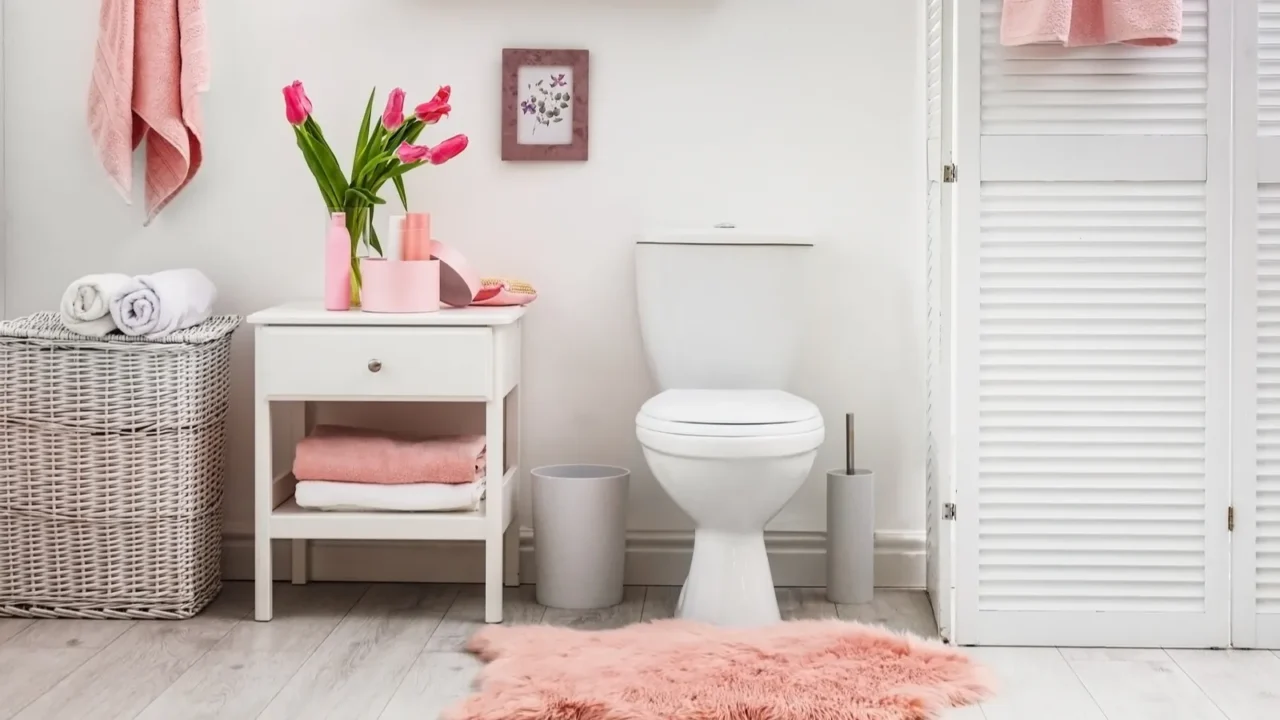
(4, 216)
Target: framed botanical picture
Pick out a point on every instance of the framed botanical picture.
(544, 104)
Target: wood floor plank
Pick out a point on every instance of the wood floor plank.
(1244, 684)
(45, 652)
(628, 611)
(244, 671)
(1140, 685)
(358, 667)
(805, 604)
(1034, 683)
(660, 602)
(900, 610)
(130, 672)
(466, 616)
(12, 626)
(436, 681)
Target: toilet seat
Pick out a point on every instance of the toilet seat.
(729, 414)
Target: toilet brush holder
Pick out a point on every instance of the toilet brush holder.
(851, 531)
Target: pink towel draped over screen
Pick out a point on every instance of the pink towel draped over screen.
(1074, 23)
(343, 454)
(150, 63)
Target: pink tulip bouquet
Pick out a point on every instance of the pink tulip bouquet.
(385, 150)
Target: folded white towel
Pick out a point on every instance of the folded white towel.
(161, 303)
(323, 495)
(86, 303)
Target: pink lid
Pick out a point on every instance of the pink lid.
(459, 284)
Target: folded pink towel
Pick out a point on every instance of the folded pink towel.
(343, 454)
(149, 65)
(1074, 23)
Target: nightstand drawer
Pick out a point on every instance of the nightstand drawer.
(404, 363)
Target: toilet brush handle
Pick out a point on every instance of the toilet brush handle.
(848, 444)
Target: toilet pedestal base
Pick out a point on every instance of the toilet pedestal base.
(729, 581)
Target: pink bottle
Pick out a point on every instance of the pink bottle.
(337, 264)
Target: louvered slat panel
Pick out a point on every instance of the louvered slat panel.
(1107, 90)
(1092, 397)
(933, 64)
(1269, 68)
(1267, 512)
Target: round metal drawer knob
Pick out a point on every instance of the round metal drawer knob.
(375, 365)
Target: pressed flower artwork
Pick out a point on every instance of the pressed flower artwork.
(546, 106)
(544, 109)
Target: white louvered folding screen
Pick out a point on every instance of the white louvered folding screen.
(1256, 368)
(1091, 325)
(938, 487)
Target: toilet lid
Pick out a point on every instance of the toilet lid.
(729, 413)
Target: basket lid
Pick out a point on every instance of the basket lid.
(48, 326)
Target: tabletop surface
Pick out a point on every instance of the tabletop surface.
(312, 312)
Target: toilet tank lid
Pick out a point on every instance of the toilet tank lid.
(729, 407)
(724, 236)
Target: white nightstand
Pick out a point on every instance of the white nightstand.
(305, 353)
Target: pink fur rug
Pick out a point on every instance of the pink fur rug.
(803, 670)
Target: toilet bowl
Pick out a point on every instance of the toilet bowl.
(731, 459)
(720, 314)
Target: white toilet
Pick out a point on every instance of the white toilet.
(720, 312)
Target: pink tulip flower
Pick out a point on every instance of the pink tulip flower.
(393, 116)
(448, 149)
(297, 106)
(431, 111)
(412, 153)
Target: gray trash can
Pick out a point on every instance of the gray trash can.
(580, 534)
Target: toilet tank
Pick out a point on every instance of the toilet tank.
(721, 308)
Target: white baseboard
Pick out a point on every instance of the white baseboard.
(798, 559)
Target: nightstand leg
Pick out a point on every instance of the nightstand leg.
(299, 561)
(262, 511)
(495, 510)
(511, 549)
(493, 581)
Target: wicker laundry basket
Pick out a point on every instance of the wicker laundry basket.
(111, 469)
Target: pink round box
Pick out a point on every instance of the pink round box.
(399, 286)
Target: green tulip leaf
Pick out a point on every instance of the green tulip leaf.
(328, 163)
(403, 168)
(362, 138)
(331, 197)
(365, 195)
(366, 171)
(404, 202)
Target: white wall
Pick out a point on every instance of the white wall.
(804, 113)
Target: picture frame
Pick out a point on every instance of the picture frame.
(545, 104)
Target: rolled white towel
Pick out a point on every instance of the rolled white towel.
(161, 303)
(86, 303)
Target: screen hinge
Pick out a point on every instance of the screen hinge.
(1231, 518)
(949, 511)
(949, 173)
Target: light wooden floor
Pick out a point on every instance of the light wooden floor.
(394, 651)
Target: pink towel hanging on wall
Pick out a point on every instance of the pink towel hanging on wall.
(150, 64)
(1076, 23)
